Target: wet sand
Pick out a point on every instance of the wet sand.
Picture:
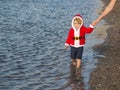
(107, 74)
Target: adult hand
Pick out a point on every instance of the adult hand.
(106, 11)
(95, 22)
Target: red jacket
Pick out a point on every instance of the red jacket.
(71, 39)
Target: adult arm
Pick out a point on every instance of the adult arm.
(107, 10)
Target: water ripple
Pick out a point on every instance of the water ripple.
(32, 35)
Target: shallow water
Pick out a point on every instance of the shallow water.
(32, 36)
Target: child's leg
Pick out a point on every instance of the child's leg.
(73, 55)
(79, 56)
(73, 69)
(73, 62)
(78, 69)
(78, 63)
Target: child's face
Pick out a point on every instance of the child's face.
(76, 24)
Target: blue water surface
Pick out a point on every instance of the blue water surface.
(32, 36)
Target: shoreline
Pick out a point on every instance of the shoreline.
(107, 74)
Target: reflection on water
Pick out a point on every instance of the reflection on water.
(74, 83)
(32, 35)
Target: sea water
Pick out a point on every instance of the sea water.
(32, 37)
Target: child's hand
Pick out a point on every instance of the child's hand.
(66, 46)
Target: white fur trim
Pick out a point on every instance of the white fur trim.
(73, 21)
(66, 44)
(77, 46)
(91, 26)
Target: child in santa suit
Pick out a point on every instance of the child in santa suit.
(76, 39)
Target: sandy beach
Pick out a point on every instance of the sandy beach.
(107, 74)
